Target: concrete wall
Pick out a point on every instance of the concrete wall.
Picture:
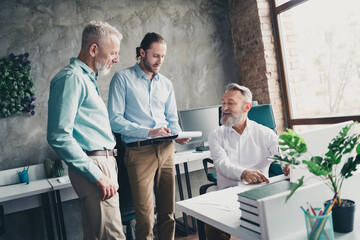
(200, 62)
(200, 58)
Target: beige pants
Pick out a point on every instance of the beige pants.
(151, 170)
(101, 219)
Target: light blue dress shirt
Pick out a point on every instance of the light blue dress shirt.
(78, 118)
(137, 104)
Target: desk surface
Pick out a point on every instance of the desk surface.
(38, 186)
(190, 155)
(221, 210)
(22, 190)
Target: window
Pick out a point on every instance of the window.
(318, 42)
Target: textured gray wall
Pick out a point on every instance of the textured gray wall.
(200, 59)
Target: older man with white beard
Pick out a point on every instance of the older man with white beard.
(240, 147)
(79, 131)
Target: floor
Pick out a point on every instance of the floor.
(193, 236)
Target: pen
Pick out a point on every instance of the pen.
(303, 210)
(310, 219)
(312, 209)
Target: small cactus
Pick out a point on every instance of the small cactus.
(48, 168)
(57, 164)
(59, 172)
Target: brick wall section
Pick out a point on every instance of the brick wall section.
(255, 53)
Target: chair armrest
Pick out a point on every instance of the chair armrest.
(205, 164)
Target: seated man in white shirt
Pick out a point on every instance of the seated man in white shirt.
(240, 147)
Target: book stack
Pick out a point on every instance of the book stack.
(251, 212)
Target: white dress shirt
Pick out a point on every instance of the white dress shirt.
(233, 153)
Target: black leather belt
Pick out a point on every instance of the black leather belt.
(143, 143)
(108, 152)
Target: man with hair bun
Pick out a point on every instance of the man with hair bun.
(142, 106)
(79, 131)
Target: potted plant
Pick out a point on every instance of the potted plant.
(340, 150)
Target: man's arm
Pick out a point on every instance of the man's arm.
(171, 114)
(273, 146)
(172, 117)
(227, 168)
(221, 160)
(65, 96)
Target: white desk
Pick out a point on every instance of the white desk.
(23, 190)
(184, 158)
(24, 196)
(19, 197)
(221, 210)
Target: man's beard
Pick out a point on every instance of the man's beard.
(232, 120)
(148, 67)
(102, 69)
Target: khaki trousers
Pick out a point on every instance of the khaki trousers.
(151, 170)
(101, 219)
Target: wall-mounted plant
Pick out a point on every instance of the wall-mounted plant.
(17, 92)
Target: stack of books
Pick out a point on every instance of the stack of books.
(251, 211)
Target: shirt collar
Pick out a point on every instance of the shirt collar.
(246, 130)
(140, 73)
(93, 76)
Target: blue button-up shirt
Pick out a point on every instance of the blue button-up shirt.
(78, 118)
(137, 104)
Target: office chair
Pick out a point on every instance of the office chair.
(261, 114)
(125, 197)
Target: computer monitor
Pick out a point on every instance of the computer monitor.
(205, 119)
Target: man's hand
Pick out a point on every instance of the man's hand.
(182, 141)
(107, 186)
(286, 170)
(159, 132)
(254, 176)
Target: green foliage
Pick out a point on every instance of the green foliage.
(48, 168)
(299, 184)
(294, 147)
(17, 92)
(58, 163)
(59, 172)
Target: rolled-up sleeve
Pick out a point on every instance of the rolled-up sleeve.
(171, 114)
(66, 94)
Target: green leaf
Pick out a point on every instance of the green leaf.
(316, 169)
(15, 81)
(299, 184)
(292, 142)
(350, 166)
(317, 159)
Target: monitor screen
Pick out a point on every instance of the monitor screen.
(204, 119)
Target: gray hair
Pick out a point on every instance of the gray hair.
(98, 31)
(244, 91)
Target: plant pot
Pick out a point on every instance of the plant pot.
(343, 216)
